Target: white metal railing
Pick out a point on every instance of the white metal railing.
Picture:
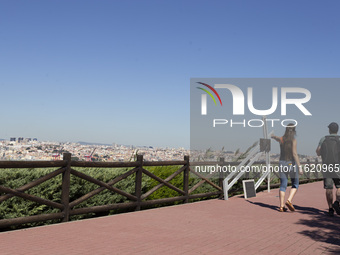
(253, 156)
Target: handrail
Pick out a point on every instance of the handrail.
(138, 200)
(68, 168)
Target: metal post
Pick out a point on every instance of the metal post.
(265, 135)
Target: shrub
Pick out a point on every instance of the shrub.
(17, 207)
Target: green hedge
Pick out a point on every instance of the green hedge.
(51, 190)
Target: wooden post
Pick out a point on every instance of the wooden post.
(138, 182)
(186, 179)
(221, 176)
(65, 193)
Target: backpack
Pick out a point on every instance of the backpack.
(330, 150)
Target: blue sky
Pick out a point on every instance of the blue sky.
(119, 71)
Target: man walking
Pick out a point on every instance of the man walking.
(329, 150)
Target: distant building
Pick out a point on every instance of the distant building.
(35, 139)
(12, 139)
(20, 139)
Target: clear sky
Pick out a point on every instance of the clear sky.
(119, 71)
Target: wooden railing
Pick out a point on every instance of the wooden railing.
(136, 200)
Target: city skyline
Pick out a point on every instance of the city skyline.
(49, 150)
(26, 142)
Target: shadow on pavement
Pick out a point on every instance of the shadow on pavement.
(320, 226)
(272, 207)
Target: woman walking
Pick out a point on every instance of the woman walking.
(289, 165)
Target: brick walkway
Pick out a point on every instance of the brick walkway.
(236, 226)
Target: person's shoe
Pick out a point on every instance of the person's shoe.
(283, 209)
(331, 212)
(290, 206)
(336, 207)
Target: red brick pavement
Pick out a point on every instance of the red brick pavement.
(236, 226)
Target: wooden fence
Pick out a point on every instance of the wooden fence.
(135, 201)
